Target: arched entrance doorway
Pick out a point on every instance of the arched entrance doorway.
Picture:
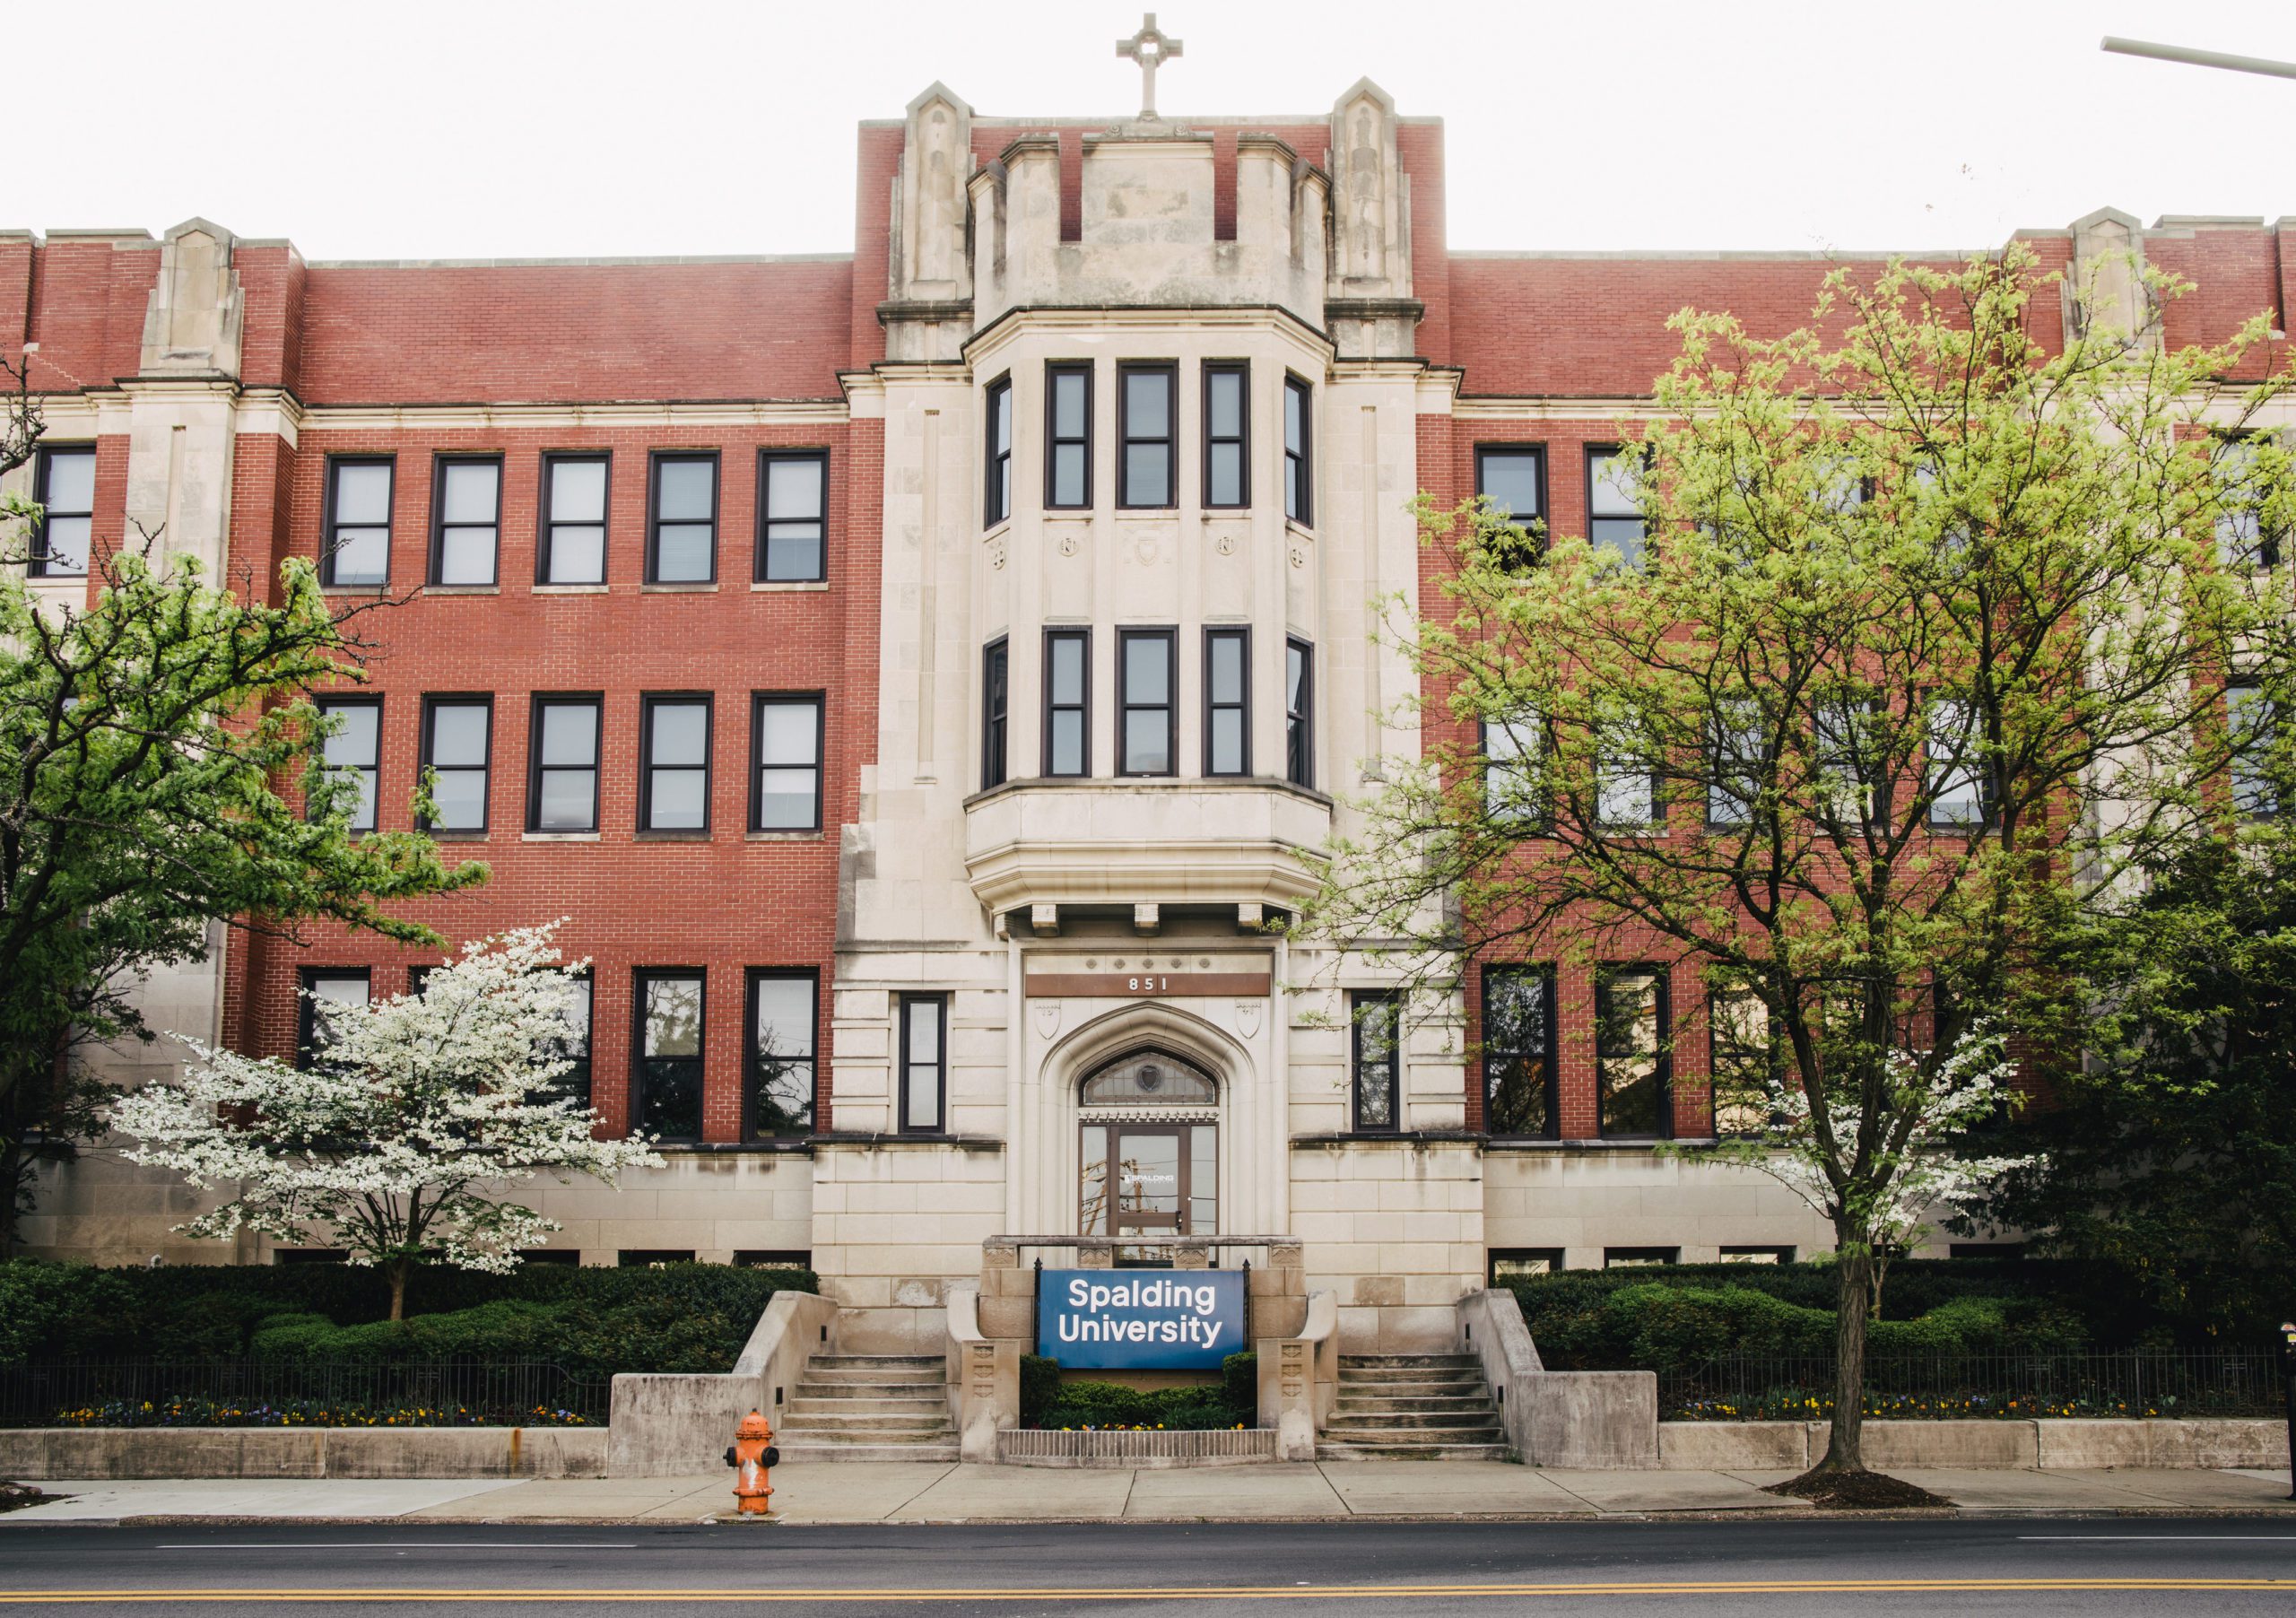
(1148, 1128)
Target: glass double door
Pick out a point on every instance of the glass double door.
(1150, 1180)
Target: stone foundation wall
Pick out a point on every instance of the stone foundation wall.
(1791, 1445)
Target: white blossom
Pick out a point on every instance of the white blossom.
(401, 1137)
(1922, 1176)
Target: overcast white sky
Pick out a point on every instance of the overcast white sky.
(499, 128)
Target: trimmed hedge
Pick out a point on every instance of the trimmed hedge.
(680, 1318)
(1676, 1317)
(1047, 1401)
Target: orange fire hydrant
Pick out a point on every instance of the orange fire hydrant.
(752, 1454)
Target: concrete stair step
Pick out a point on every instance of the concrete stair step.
(1411, 1373)
(1368, 1403)
(1355, 1450)
(806, 1451)
(821, 1421)
(1383, 1419)
(803, 1405)
(816, 1388)
(1405, 1383)
(933, 1363)
(1382, 1361)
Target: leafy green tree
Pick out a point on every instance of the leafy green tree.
(144, 738)
(1918, 668)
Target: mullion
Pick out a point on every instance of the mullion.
(1068, 435)
(1147, 412)
(1227, 701)
(1145, 729)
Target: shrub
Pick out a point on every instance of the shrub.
(1039, 1384)
(1045, 1401)
(1239, 1377)
(682, 1318)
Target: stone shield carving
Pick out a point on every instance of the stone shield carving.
(1047, 1017)
(1247, 1013)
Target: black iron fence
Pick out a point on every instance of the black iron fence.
(464, 1390)
(2146, 1382)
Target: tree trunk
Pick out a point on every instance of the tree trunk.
(399, 1267)
(1852, 1305)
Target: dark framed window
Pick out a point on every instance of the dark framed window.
(356, 749)
(1299, 458)
(1518, 1072)
(996, 441)
(358, 525)
(651, 1258)
(571, 548)
(1761, 1254)
(1375, 1024)
(1507, 1265)
(1742, 1061)
(1146, 423)
(1626, 784)
(923, 1064)
(63, 483)
(1614, 499)
(1227, 434)
(563, 764)
(1068, 434)
(1067, 701)
(1843, 741)
(783, 1029)
(574, 1046)
(1512, 477)
(1636, 1258)
(1735, 759)
(1631, 1055)
(2252, 720)
(786, 741)
(667, 1080)
(1298, 713)
(1513, 755)
(792, 516)
(673, 763)
(465, 518)
(1227, 701)
(325, 987)
(681, 518)
(1960, 785)
(457, 748)
(996, 699)
(2242, 540)
(1147, 676)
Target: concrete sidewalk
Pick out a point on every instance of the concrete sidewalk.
(818, 1492)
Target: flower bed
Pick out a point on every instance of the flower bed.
(220, 1412)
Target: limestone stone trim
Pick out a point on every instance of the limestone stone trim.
(663, 413)
(192, 317)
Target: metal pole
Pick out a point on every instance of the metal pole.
(1036, 1305)
(2288, 1392)
(2200, 58)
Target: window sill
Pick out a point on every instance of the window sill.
(1147, 512)
(380, 587)
(791, 1146)
(680, 588)
(570, 589)
(462, 589)
(438, 834)
(1293, 526)
(1388, 1137)
(783, 837)
(787, 586)
(558, 836)
(1533, 1142)
(700, 834)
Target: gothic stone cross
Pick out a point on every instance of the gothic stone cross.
(1149, 48)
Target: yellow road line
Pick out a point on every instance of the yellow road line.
(1386, 1592)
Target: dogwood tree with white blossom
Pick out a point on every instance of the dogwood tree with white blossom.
(414, 1117)
(1917, 1173)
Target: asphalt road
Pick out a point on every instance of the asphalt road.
(2030, 1565)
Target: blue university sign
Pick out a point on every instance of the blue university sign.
(1140, 1319)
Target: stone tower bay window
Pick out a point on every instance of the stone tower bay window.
(1227, 701)
(1227, 434)
(1145, 718)
(1067, 702)
(1147, 421)
(1068, 435)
